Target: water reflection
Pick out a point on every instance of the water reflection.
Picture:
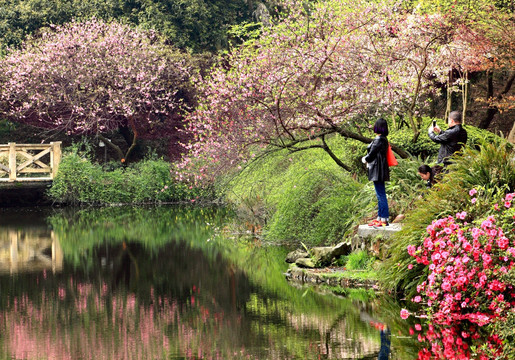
(29, 250)
(159, 284)
(27, 246)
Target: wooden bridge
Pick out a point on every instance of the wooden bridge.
(29, 162)
(26, 172)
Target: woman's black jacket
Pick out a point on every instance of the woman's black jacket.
(378, 169)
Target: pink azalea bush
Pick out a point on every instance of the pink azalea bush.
(467, 289)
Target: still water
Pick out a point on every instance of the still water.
(171, 283)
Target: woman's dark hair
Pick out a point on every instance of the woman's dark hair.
(381, 127)
(424, 169)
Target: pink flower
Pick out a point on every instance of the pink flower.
(487, 259)
(486, 224)
(510, 196)
(503, 242)
(417, 299)
(410, 266)
(472, 192)
(405, 314)
(418, 327)
(461, 215)
(507, 204)
(473, 201)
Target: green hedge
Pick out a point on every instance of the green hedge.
(80, 181)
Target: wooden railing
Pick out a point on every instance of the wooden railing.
(21, 162)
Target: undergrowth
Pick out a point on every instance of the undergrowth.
(81, 181)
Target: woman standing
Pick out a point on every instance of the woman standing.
(378, 170)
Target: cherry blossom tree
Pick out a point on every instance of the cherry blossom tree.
(325, 70)
(94, 78)
(484, 41)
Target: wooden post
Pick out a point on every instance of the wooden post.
(55, 157)
(12, 161)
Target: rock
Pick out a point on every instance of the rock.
(365, 231)
(296, 254)
(343, 248)
(305, 262)
(325, 255)
(398, 218)
(322, 255)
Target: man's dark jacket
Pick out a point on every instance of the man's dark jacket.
(450, 140)
(378, 169)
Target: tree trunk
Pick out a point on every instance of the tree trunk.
(493, 110)
(449, 95)
(108, 142)
(465, 94)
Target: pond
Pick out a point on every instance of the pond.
(171, 283)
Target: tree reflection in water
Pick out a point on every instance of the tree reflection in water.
(155, 284)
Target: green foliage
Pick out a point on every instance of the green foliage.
(5, 128)
(424, 147)
(195, 25)
(301, 197)
(474, 9)
(504, 328)
(79, 181)
(306, 197)
(489, 168)
(405, 185)
(358, 260)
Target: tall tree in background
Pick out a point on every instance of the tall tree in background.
(94, 78)
(196, 25)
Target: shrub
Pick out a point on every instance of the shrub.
(79, 181)
(424, 147)
(359, 260)
(489, 168)
(466, 289)
(405, 185)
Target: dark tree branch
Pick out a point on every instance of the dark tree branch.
(111, 145)
(333, 156)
